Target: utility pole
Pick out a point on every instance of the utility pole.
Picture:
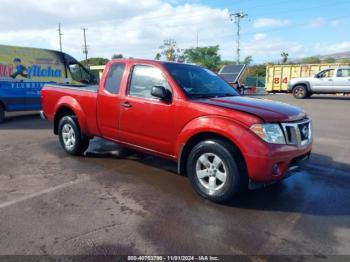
(85, 49)
(237, 18)
(60, 36)
(197, 38)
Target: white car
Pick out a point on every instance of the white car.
(329, 81)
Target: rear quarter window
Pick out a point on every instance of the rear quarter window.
(114, 77)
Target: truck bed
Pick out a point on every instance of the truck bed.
(83, 98)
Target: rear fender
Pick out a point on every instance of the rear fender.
(73, 104)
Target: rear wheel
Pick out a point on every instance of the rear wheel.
(214, 171)
(70, 137)
(2, 114)
(300, 92)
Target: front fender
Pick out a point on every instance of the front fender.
(73, 104)
(223, 126)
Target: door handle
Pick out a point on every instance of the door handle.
(126, 105)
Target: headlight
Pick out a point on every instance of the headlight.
(271, 133)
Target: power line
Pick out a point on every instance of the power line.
(237, 18)
(291, 27)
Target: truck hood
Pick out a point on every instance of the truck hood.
(267, 110)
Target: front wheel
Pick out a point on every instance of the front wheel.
(70, 137)
(214, 171)
(300, 92)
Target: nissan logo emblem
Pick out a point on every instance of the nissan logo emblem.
(305, 131)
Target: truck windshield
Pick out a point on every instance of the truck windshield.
(198, 82)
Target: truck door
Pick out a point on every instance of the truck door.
(108, 102)
(342, 81)
(145, 120)
(324, 81)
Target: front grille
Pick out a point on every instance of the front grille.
(298, 133)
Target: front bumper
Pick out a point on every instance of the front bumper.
(275, 162)
(292, 169)
(271, 162)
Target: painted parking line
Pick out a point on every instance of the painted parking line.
(40, 193)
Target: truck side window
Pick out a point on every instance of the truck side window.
(114, 77)
(326, 73)
(343, 73)
(143, 79)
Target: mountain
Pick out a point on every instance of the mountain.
(336, 55)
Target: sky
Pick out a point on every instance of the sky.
(137, 28)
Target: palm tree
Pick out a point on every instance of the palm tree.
(284, 57)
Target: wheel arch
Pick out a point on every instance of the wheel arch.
(70, 105)
(203, 136)
(303, 83)
(62, 111)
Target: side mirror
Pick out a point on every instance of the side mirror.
(161, 93)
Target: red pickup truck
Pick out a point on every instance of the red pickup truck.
(223, 142)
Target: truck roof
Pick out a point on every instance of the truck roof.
(147, 61)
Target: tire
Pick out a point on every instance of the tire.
(70, 137)
(300, 92)
(2, 114)
(212, 183)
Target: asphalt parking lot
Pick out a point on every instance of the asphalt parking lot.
(117, 202)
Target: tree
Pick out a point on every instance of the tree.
(158, 56)
(117, 56)
(311, 60)
(170, 50)
(329, 60)
(94, 61)
(248, 60)
(206, 56)
(284, 57)
(345, 61)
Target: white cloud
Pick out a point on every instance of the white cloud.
(270, 22)
(137, 28)
(317, 22)
(273, 47)
(259, 36)
(326, 48)
(114, 26)
(321, 21)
